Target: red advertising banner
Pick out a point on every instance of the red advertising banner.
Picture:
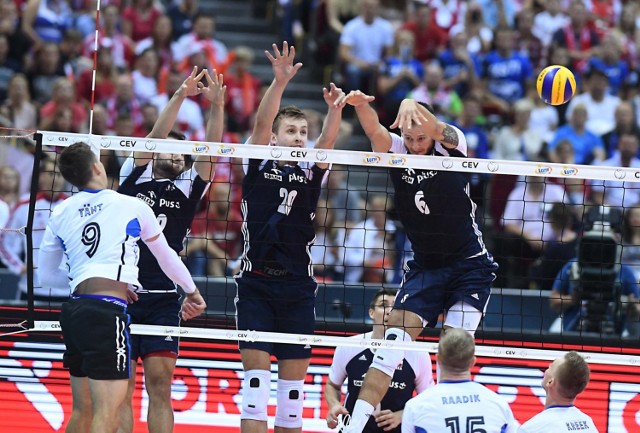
(35, 393)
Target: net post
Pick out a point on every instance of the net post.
(35, 177)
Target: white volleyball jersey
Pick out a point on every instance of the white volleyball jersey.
(99, 231)
(559, 419)
(458, 406)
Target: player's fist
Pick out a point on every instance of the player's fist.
(193, 305)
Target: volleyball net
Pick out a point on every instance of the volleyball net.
(526, 210)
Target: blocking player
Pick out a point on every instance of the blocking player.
(96, 231)
(563, 381)
(451, 271)
(276, 288)
(457, 403)
(173, 193)
(352, 363)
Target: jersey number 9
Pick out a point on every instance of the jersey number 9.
(91, 237)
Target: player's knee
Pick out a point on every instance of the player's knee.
(465, 316)
(255, 394)
(387, 360)
(290, 401)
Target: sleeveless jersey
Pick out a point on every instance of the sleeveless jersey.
(436, 210)
(174, 203)
(99, 231)
(458, 406)
(278, 208)
(352, 364)
(559, 419)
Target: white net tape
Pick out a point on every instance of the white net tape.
(347, 157)
(333, 341)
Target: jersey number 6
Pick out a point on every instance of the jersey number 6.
(91, 237)
(421, 204)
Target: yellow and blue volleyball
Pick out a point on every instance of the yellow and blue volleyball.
(556, 85)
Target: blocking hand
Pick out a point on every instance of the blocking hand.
(282, 63)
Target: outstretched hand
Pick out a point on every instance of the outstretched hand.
(193, 305)
(332, 95)
(408, 114)
(190, 86)
(215, 89)
(355, 98)
(282, 63)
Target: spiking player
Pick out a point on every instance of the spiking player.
(451, 271)
(276, 288)
(351, 364)
(97, 232)
(456, 403)
(173, 193)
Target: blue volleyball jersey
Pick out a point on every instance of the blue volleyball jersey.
(174, 202)
(436, 210)
(278, 208)
(352, 364)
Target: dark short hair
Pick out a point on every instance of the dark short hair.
(176, 135)
(572, 375)
(289, 111)
(428, 106)
(76, 164)
(382, 292)
(456, 350)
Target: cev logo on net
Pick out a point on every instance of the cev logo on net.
(397, 161)
(543, 169)
(371, 159)
(569, 171)
(200, 148)
(226, 150)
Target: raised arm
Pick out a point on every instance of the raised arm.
(283, 72)
(169, 114)
(411, 112)
(331, 127)
(368, 118)
(214, 93)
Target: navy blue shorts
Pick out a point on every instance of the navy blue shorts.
(430, 292)
(276, 305)
(96, 337)
(161, 309)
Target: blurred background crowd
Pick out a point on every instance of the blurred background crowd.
(474, 61)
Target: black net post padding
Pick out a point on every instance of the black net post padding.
(35, 175)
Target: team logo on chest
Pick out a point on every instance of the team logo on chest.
(275, 174)
(410, 175)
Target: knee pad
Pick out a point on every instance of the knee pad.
(462, 315)
(387, 360)
(255, 394)
(290, 400)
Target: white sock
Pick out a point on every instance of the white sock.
(361, 413)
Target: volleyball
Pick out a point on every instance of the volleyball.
(556, 85)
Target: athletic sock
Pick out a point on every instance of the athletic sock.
(361, 413)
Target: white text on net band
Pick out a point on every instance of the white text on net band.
(346, 157)
(334, 341)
